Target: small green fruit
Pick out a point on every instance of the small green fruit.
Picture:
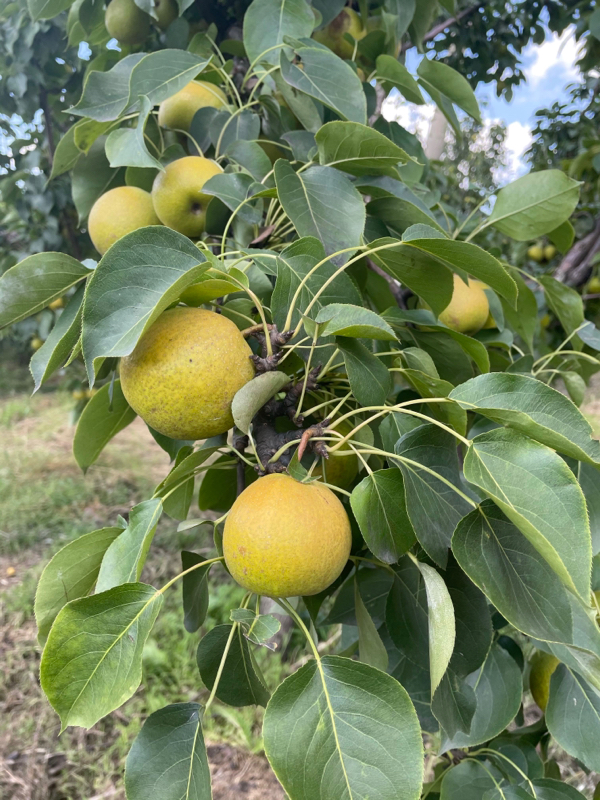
(177, 194)
(126, 22)
(166, 12)
(549, 252)
(536, 253)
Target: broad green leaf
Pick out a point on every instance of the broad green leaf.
(195, 590)
(316, 747)
(239, 684)
(514, 576)
(532, 408)
(168, 757)
(87, 131)
(358, 149)
(266, 22)
(392, 73)
(328, 9)
(92, 662)
(124, 560)
(294, 264)
(251, 157)
(234, 189)
(127, 147)
(538, 492)
(101, 419)
(535, 204)
(137, 279)
(450, 83)
(252, 397)
(575, 385)
(354, 321)
(442, 629)
(427, 386)
(573, 716)
(412, 172)
(69, 575)
(218, 489)
(565, 302)
(549, 789)
(46, 9)
(445, 106)
(92, 177)
(322, 202)
(429, 464)
(159, 75)
(454, 704)
(33, 283)
(406, 615)
(369, 378)
(522, 319)
(468, 780)
(187, 466)
(60, 342)
(374, 587)
(563, 236)
(328, 79)
(402, 213)
(257, 628)
(425, 275)
(226, 129)
(588, 477)
(178, 499)
(498, 687)
(379, 506)
(404, 11)
(371, 649)
(66, 154)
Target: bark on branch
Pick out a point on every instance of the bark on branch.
(441, 26)
(575, 268)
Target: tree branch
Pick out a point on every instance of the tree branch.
(575, 267)
(395, 287)
(441, 26)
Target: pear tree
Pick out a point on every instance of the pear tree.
(312, 332)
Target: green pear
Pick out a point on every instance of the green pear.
(117, 212)
(166, 12)
(177, 194)
(126, 22)
(177, 112)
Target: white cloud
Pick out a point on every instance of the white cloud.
(556, 51)
(416, 119)
(518, 139)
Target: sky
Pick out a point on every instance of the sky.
(549, 69)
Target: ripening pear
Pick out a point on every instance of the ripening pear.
(468, 309)
(283, 538)
(347, 21)
(126, 22)
(177, 194)
(593, 286)
(166, 12)
(536, 252)
(185, 371)
(549, 252)
(340, 470)
(55, 304)
(118, 212)
(177, 111)
(542, 669)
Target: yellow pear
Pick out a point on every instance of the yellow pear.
(536, 252)
(177, 112)
(166, 12)
(185, 371)
(469, 309)
(549, 252)
(126, 22)
(593, 286)
(36, 343)
(283, 538)
(58, 303)
(117, 212)
(542, 669)
(177, 194)
(347, 21)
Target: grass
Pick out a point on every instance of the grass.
(45, 501)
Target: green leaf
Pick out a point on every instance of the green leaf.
(293, 266)
(92, 177)
(195, 591)
(400, 213)
(257, 628)
(126, 147)
(92, 662)
(380, 509)
(253, 395)
(454, 704)
(573, 716)
(513, 575)
(563, 236)
(428, 455)
(239, 684)
(69, 575)
(533, 408)
(450, 83)
(358, 149)
(523, 318)
(590, 486)
(394, 74)
(538, 492)
(189, 464)
(101, 419)
(47, 9)
(322, 202)
(421, 272)
(535, 204)
(498, 687)
(33, 283)
(565, 302)
(124, 560)
(66, 154)
(468, 780)
(168, 757)
(549, 789)
(371, 649)
(60, 342)
(328, 79)
(445, 106)
(442, 629)
(354, 321)
(251, 157)
(369, 378)
(316, 747)
(266, 22)
(137, 279)
(374, 587)
(235, 190)
(107, 95)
